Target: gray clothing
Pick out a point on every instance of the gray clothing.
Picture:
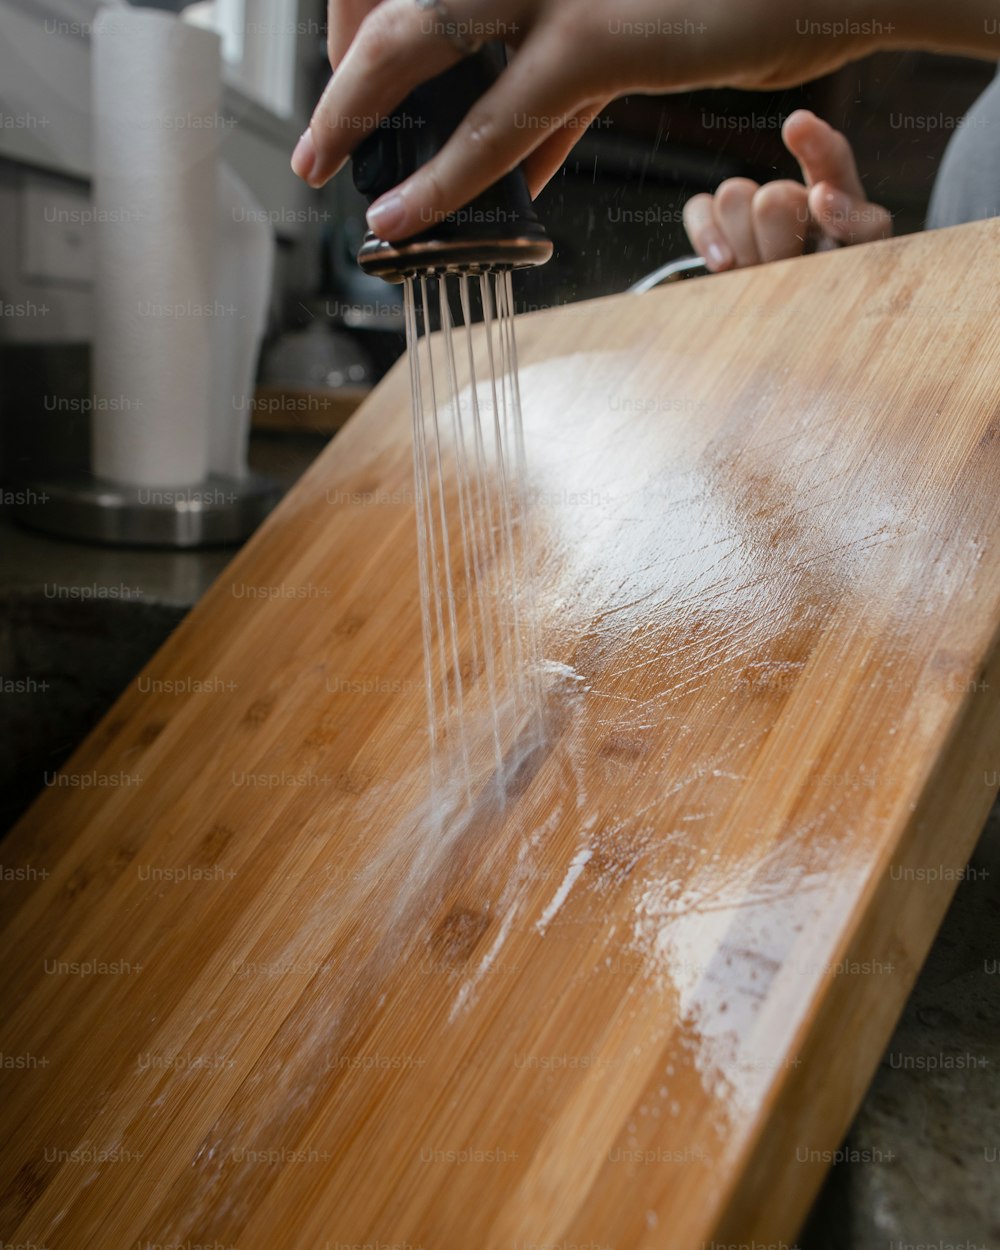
(968, 182)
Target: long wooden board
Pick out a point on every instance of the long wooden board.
(251, 1000)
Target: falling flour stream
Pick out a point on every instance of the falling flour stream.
(475, 556)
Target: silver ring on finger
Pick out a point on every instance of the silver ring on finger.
(443, 23)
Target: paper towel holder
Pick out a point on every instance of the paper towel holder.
(221, 511)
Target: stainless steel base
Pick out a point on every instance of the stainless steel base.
(394, 262)
(216, 512)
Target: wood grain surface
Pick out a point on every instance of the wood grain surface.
(252, 999)
(306, 410)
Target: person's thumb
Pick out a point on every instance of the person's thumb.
(837, 202)
(845, 218)
(824, 154)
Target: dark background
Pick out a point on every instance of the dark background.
(614, 211)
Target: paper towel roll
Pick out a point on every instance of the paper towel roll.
(245, 259)
(157, 125)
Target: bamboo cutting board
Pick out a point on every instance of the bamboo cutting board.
(250, 1001)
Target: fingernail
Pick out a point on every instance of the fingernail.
(304, 156)
(836, 204)
(387, 215)
(718, 257)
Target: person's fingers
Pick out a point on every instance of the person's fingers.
(344, 17)
(838, 204)
(378, 71)
(535, 93)
(734, 213)
(706, 237)
(824, 154)
(845, 219)
(781, 220)
(548, 157)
